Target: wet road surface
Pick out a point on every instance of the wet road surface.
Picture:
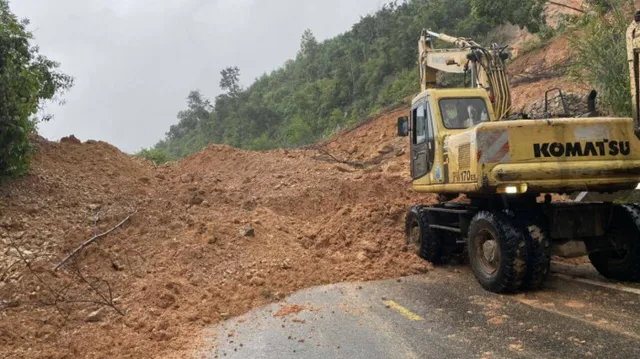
(442, 314)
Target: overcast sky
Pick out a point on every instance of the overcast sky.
(135, 61)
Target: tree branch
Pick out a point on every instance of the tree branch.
(91, 240)
(565, 6)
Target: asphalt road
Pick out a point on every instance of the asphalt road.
(442, 314)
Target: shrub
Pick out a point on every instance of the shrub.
(157, 156)
(600, 58)
(26, 80)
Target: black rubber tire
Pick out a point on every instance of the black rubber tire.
(429, 246)
(511, 269)
(539, 263)
(625, 230)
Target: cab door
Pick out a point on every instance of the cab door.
(431, 142)
(419, 141)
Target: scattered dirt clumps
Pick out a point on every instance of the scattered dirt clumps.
(213, 236)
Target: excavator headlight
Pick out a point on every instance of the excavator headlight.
(513, 189)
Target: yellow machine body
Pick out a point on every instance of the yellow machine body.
(558, 155)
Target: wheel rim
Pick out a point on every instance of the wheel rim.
(414, 237)
(487, 251)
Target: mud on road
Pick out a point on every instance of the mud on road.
(441, 314)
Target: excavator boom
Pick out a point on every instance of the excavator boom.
(485, 66)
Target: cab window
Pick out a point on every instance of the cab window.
(419, 124)
(461, 113)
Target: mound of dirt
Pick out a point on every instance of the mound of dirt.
(212, 236)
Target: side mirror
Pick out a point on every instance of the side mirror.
(403, 126)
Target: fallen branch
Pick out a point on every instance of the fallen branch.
(348, 163)
(93, 284)
(565, 6)
(4, 272)
(91, 240)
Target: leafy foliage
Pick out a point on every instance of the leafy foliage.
(26, 79)
(230, 81)
(601, 58)
(524, 13)
(330, 84)
(155, 155)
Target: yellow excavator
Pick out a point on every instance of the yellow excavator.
(467, 141)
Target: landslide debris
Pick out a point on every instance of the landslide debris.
(214, 235)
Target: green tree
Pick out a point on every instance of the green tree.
(230, 80)
(329, 84)
(198, 110)
(524, 13)
(156, 155)
(601, 53)
(308, 44)
(27, 79)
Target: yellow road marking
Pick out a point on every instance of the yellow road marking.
(402, 310)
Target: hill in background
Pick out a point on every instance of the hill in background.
(337, 83)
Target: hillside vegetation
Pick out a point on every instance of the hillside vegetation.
(343, 80)
(329, 85)
(27, 78)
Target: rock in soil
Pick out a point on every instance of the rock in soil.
(247, 231)
(95, 316)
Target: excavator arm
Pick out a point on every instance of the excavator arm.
(486, 67)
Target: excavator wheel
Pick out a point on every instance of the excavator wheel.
(539, 263)
(622, 260)
(425, 241)
(498, 252)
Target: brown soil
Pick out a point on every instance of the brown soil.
(544, 68)
(541, 70)
(289, 310)
(183, 262)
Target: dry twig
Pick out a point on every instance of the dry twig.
(348, 163)
(565, 6)
(91, 240)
